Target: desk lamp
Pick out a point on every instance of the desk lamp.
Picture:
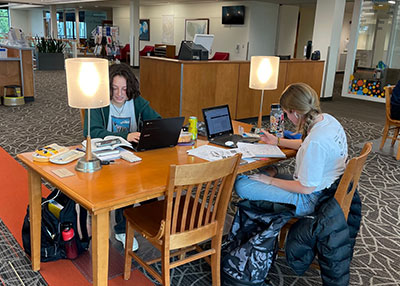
(263, 76)
(87, 87)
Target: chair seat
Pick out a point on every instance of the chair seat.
(147, 217)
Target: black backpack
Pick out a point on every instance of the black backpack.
(52, 244)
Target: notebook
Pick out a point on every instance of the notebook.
(159, 133)
(219, 127)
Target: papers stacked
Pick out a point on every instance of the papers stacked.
(248, 151)
(108, 148)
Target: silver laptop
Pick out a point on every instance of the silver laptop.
(159, 133)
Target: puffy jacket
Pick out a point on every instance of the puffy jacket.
(326, 234)
(395, 102)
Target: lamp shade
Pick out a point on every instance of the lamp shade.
(264, 72)
(87, 82)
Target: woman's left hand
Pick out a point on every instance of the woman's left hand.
(268, 138)
(133, 137)
(261, 178)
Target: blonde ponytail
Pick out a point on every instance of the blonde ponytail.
(301, 98)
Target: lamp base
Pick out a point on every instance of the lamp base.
(90, 166)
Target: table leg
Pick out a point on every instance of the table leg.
(35, 214)
(100, 246)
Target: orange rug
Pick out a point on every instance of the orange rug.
(13, 204)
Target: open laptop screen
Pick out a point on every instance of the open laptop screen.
(218, 121)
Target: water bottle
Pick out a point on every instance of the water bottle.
(276, 120)
(68, 235)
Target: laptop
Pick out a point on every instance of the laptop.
(159, 133)
(219, 127)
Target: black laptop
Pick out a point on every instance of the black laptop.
(219, 126)
(159, 133)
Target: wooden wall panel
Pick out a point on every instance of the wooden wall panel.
(249, 99)
(27, 66)
(160, 84)
(207, 85)
(309, 72)
(9, 74)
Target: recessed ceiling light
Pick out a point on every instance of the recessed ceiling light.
(391, 2)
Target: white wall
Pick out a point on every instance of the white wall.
(287, 23)
(262, 32)
(260, 18)
(20, 19)
(36, 22)
(121, 19)
(327, 29)
(306, 27)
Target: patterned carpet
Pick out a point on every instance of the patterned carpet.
(15, 267)
(377, 253)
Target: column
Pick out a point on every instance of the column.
(53, 22)
(134, 32)
(326, 38)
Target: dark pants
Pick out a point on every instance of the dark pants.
(395, 111)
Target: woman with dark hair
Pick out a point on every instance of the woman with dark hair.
(320, 160)
(124, 116)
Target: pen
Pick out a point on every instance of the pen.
(79, 149)
(107, 162)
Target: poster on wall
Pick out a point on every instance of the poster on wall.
(144, 30)
(168, 29)
(195, 26)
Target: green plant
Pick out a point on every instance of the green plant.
(49, 45)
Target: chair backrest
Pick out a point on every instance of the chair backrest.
(351, 176)
(388, 95)
(145, 50)
(220, 56)
(197, 200)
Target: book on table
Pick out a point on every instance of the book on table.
(110, 142)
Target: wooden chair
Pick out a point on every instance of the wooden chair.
(192, 212)
(344, 194)
(390, 122)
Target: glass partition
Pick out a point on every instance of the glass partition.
(377, 50)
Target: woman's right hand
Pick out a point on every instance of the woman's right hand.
(133, 137)
(268, 138)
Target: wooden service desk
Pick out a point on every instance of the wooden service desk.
(17, 69)
(114, 186)
(184, 88)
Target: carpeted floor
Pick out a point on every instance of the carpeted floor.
(377, 253)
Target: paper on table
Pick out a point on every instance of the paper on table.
(260, 150)
(211, 153)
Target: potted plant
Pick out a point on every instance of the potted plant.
(50, 53)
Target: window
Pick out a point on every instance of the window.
(4, 21)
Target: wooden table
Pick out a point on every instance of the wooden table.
(114, 186)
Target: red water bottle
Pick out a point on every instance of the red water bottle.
(68, 236)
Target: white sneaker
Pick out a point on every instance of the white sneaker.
(121, 238)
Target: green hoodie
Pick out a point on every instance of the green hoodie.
(99, 119)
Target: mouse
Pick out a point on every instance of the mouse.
(229, 143)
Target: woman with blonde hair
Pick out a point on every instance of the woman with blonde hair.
(320, 160)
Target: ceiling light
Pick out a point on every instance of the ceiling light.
(392, 2)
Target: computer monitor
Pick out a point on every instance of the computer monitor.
(205, 40)
(191, 51)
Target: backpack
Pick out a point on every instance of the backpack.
(52, 244)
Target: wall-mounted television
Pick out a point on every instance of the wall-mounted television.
(233, 15)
